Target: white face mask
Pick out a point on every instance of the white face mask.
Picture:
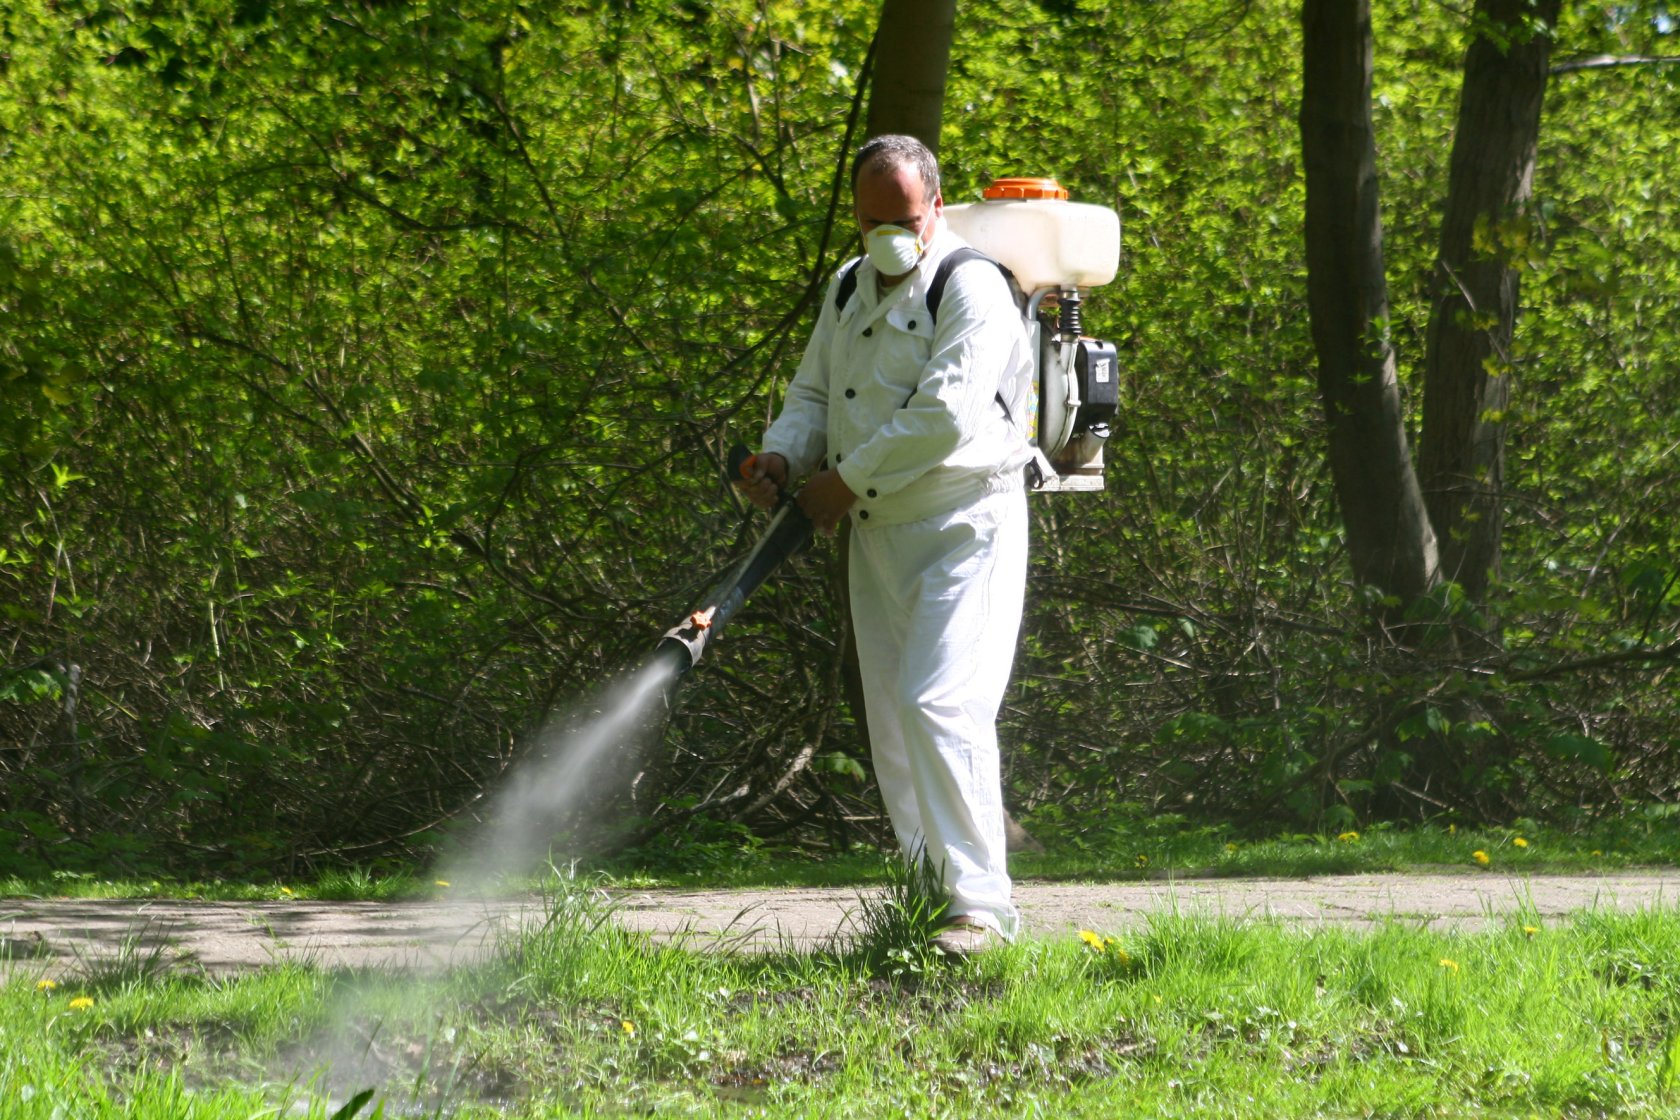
(894, 249)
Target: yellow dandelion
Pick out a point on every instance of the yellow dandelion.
(1348, 837)
(1092, 940)
(81, 1003)
(1142, 860)
(628, 1028)
(1449, 964)
(1452, 830)
(1597, 852)
(1480, 857)
(1230, 847)
(1531, 930)
(287, 891)
(440, 882)
(45, 985)
(1520, 842)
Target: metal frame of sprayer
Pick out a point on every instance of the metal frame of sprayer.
(1075, 398)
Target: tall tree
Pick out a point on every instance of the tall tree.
(1390, 541)
(912, 55)
(1467, 371)
(1404, 535)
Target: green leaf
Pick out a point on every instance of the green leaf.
(24, 686)
(1572, 747)
(842, 764)
(1668, 1074)
(1142, 637)
(353, 1106)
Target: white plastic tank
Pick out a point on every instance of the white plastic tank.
(1046, 241)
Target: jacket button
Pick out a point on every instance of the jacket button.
(863, 513)
(912, 324)
(867, 331)
(850, 393)
(872, 492)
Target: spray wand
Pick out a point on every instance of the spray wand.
(789, 531)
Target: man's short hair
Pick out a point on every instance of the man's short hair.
(892, 150)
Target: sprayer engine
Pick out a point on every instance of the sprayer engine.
(1055, 248)
(1078, 395)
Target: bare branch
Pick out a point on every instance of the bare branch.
(1643, 655)
(1610, 61)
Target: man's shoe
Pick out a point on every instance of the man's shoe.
(963, 937)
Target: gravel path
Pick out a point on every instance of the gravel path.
(48, 936)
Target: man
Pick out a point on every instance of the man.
(912, 425)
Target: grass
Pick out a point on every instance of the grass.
(1186, 1016)
(350, 884)
(1143, 845)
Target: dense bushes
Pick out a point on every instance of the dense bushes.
(368, 368)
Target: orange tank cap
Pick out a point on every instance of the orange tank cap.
(1024, 188)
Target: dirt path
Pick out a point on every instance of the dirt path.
(55, 935)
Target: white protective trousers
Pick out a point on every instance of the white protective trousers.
(936, 605)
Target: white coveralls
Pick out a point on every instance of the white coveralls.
(912, 414)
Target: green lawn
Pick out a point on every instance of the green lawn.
(1185, 1017)
(1139, 847)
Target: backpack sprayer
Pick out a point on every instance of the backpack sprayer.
(1051, 248)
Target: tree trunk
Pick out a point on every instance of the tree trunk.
(1390, 542)
(1467, 379)
(907, 95)
(912, 53)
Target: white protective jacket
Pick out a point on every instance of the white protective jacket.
(906, 409)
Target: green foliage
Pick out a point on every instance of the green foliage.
(141, 957)
(1192, 641)
(708, 849)
(391, 423)
(368, 368)
(894, 926)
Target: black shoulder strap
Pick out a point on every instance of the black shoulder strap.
(936, 286)
(848, 284)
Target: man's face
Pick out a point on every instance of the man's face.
(895, 197)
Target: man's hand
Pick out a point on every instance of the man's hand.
(763, 478)
(825, 500)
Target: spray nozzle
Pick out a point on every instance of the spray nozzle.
(687, 641)
(788, 532)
